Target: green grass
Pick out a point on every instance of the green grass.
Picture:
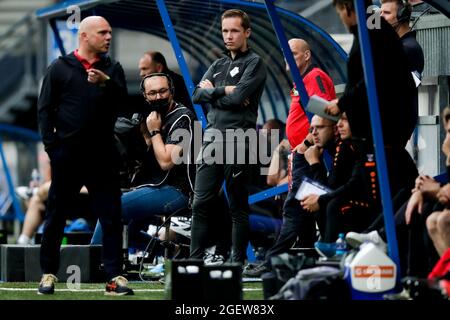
(142, 292)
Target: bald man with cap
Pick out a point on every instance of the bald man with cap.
(77, 108)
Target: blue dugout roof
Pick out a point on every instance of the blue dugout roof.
(197, 26)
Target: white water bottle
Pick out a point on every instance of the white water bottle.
(35, 182)
(341, 245)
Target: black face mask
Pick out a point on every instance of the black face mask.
(161, 106)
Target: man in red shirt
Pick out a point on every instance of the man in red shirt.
(316, 81)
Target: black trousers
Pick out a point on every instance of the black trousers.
(297, 223)
(416, 250)
(93, 165)
(332, 221)
(208, 181)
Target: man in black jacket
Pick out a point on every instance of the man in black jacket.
(398, 14)
(77, 108)
(396, 92)
(233, 85)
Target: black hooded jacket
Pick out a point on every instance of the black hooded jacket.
(70, 107)
(396, 90)
(248, 73)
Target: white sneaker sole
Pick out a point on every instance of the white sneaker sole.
(354, 243)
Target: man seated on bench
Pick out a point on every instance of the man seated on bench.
(163, 183)
(297, 221)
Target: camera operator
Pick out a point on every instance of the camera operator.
(163, 182)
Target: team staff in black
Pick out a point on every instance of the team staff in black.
(398, 14)
(396, 92)
(348, 207)
(233, 86)
(77, 108)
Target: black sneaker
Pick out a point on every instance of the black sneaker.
(213, 259)
(47, 284)
(118, 287)
(254, 270)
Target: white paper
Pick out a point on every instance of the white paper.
(416, 79)
(308, 187)
(317, 105)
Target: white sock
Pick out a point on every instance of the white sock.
(24, 239)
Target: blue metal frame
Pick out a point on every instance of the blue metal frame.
(18, 213)
(20, 132)
(266, 194)
(58, 39)
(179, 56)
(369, 77)
(276, 23)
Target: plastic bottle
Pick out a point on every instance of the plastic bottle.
(35, 178)
(341, 245)
(35, 182)
(126, 258)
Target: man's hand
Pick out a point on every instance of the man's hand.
(300, 148)
(444, 194)
(446, 148)
(427, 185)
(229, 89)
(310, 203)
(206, 84)
(304, 145)
(153, 121)
(312, 154)
(332, 108)
(415, 203)
(96, 76)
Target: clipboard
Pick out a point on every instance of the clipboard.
(317, 105)
(309, 186)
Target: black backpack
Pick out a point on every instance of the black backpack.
(319, 283)
(131, 146)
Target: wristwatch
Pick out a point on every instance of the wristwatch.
(307, 143)
(154, 133)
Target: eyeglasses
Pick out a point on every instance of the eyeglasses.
(161, 92)
(320, 127)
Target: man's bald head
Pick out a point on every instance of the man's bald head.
(89, 22)
(94, 34)
(302, 54)
(299, 44)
